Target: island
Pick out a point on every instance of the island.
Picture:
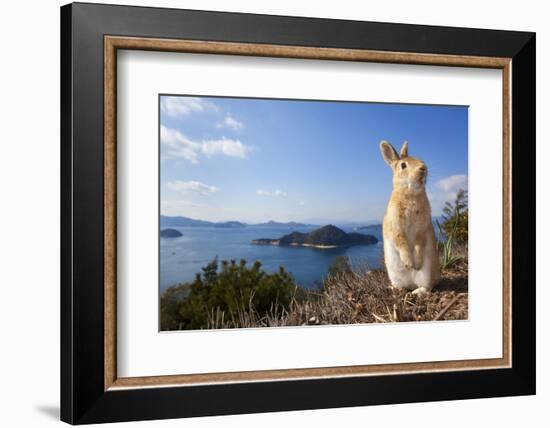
(229, 224)
(180, 221)
(278, 224)
(325, 237)
(170, 233)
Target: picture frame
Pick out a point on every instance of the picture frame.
(91, 391)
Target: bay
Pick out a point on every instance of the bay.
(183, 257)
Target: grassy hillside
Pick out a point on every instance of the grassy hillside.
(235, 295)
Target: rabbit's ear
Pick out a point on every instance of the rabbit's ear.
(388, 152)
(404, 150)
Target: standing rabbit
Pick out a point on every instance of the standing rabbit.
(410, 247)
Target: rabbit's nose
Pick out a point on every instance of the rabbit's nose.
(423, 173)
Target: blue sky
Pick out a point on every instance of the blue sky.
(255, 160)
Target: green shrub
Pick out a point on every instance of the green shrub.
(341, 265)
(455, 218)
(229, 287)
(453, 230)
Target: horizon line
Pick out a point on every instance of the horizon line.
(313, 223)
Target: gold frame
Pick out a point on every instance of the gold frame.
(113, 43)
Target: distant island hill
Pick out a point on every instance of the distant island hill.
(180, 221)
(170, 233)
(328, 236)
(325, 237)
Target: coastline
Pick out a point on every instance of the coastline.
(295, 244)
(322, 247)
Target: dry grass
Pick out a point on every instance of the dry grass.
(363, 297)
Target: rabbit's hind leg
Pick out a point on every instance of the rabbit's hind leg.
(400, 276)
(423, 277)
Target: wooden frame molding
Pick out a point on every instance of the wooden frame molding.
(113, 43)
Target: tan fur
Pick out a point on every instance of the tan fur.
(410, 246)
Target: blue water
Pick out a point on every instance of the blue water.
(181, 258)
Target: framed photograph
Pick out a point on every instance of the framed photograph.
(266, 213)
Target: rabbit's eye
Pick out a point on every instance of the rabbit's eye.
(403, 165)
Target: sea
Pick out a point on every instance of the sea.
(183, 257)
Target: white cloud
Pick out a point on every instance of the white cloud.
(230, 122)
(192, 187)
(445, 190)
(301, 203)
(275, 193)
(175, 144)
(182, 106)
(225, 146)
(453, 183)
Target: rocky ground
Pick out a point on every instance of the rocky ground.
(366, 297)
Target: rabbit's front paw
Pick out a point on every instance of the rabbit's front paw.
(418, 265)
(407, 262)
(418, 256)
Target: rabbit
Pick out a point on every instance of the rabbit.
(410, 247)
